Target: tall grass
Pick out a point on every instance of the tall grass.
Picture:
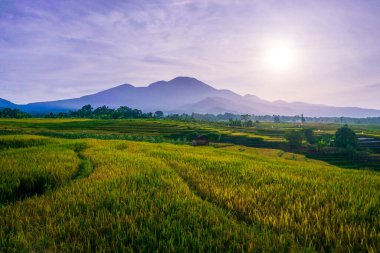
(31, 171)
(311, 203)
(176, 198)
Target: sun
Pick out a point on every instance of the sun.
(279, 57)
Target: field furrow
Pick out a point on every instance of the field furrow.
(107, 195)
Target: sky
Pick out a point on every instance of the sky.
(324, 52)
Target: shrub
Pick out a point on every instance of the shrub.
(345, 137)
(309, 135)
(294, 139)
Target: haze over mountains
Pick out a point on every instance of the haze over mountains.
(187, 95)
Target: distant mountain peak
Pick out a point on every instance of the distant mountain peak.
(4, 100)
(177, 80)
(157, 84)
(188, 94)
(120, 87)
(182, 82)
(124, 85)
(5, 103)
(185, 79)
(250, 95)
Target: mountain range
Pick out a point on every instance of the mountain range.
(187, 95)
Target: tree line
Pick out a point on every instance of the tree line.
(104, 112)
(231, 119)
(344, 139)
(13, 113)
(289, 119)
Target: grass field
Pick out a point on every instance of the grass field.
(114, 195)
(262, 135)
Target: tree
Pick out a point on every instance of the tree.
(234, 122)
(159, 114)
(303, 120)
(309, 135)
(62, 115)
(103, 112)
(294, 139)
(124, 112)
(249, 123)
(50, 115)
(87, 111)
(13, 113)
(345, 137)
(244, 118)
(84, 112)
(323, 142)
(276, 119)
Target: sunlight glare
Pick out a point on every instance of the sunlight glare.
(279, 57)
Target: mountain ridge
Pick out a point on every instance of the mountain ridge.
(187, 95)
(6, 104)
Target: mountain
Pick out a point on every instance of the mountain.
(162, 95)
(7, 104)
(368, 94)
(187, 95)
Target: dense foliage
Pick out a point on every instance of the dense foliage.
(295, 119)
(345, 138)
(13, 113)
(103, 112)
(294, 139)
(309, 135)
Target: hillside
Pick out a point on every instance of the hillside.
(6, 104)
(188, 95)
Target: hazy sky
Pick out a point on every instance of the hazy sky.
(61, 49)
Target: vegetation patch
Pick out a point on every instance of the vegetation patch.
(315, 140)
(147, 196)
(85, 167)
(7, 142)
(34, 170)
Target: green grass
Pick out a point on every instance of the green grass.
(27, 171)
(149, 130)
(7, 142)
(116, 195)
(262, 135)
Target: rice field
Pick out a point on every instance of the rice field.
(127, 128)
(262, 135)
(116, 195)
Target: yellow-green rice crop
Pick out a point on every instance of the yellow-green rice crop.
(177, 198)
(33, 170)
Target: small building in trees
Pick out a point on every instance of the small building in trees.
(200, 140)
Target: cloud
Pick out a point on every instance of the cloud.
(374, 86)
(63, 49)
